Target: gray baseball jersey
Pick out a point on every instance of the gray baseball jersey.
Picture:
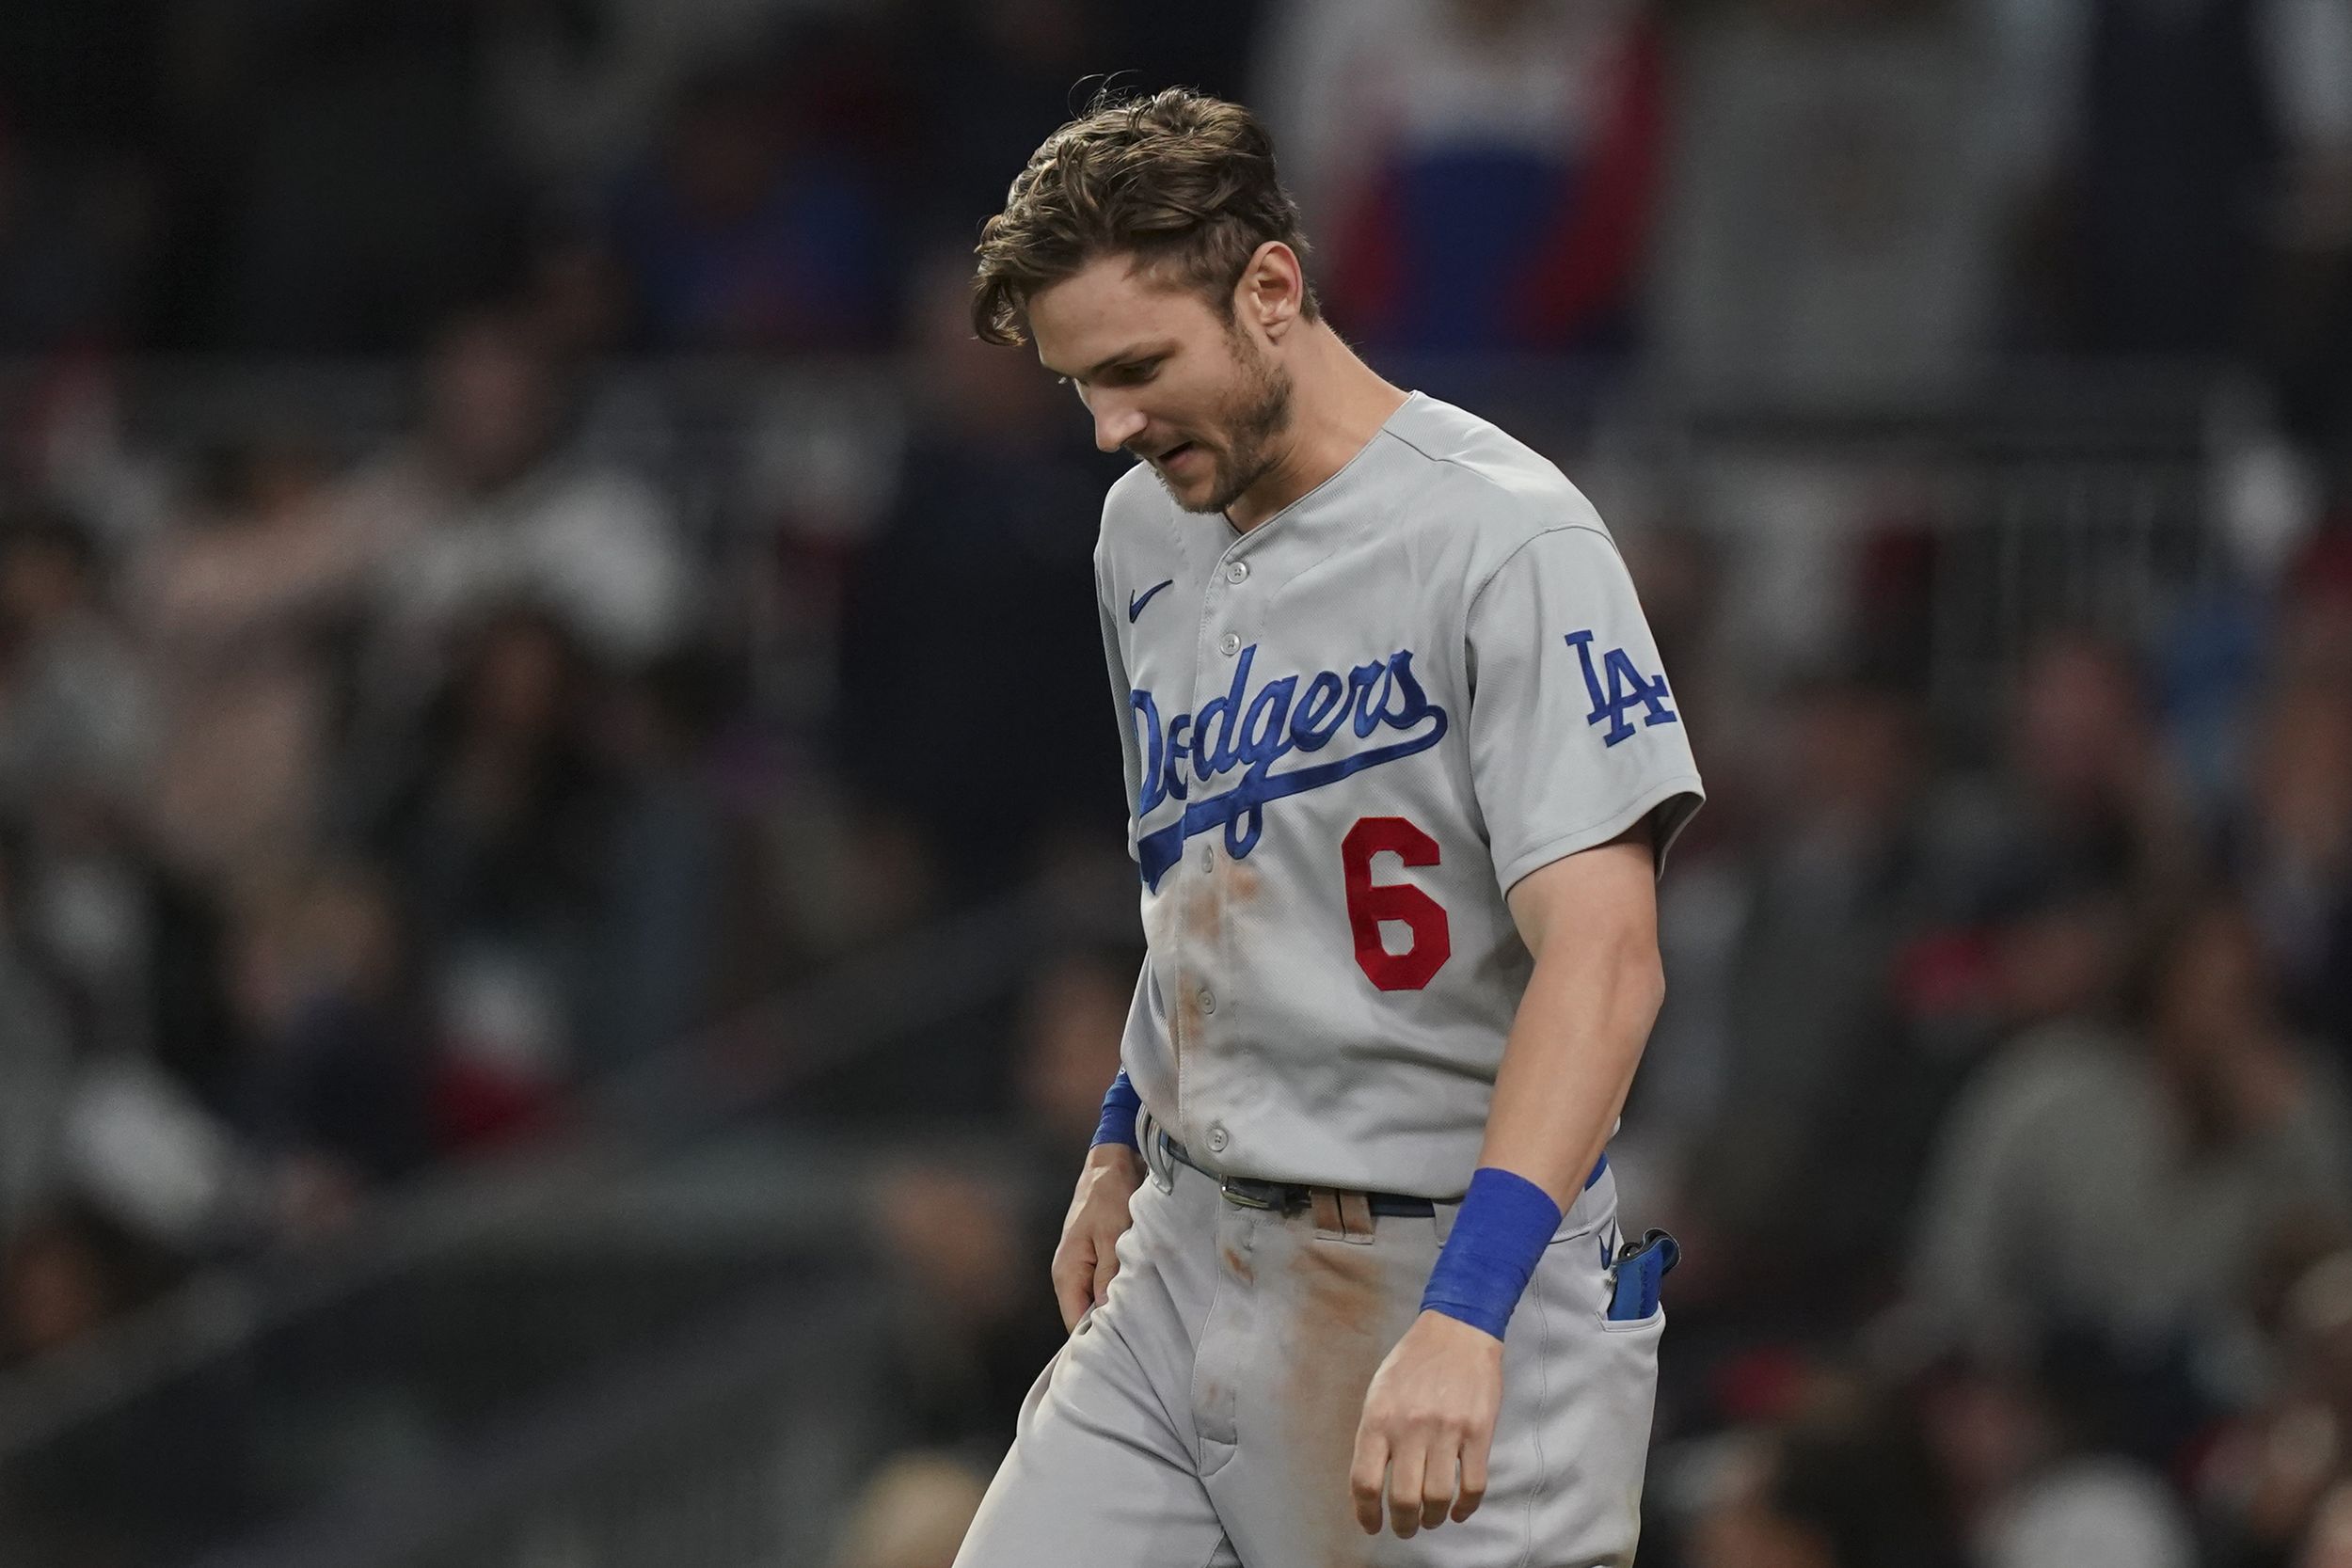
(1348, 733)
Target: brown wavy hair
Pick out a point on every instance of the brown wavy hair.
(1184, 183)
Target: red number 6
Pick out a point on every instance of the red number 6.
(1369, 905)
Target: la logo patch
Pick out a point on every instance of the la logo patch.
(1627, 689)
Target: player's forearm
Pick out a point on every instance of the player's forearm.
(1579, 1030)
(1574, 1045)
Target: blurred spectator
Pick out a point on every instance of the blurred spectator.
(2090, 1180)
(999, 502)
(133, 949)
(2313, 634)
(576, 298)
(497, 831)
(75, 715)
(2291, 848)
(758, 224)
(244, 604)
(332, 1087)
(1073, 1019)
(2086, 792)
(971, 1240)
(489, 505)
(1479, 174)
(64, 1275)
(69, 445)
(1840, 1488)
(2022, 1459)
(676, 923)
(140, 1149)
(975, 1306)
(134, 953)
(1818, 1117)
(36, 1069)
(2286, 1477)
(578, 87)
(2308, 48)
(912, 1513)
(1833, 228)
(1703, 909)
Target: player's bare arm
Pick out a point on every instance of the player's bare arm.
(1591, 921)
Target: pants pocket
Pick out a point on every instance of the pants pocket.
(1653, 1327)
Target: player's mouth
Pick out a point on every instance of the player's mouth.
(1182, 452)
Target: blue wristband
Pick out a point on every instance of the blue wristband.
(1499, 1237)
(1119, 1106)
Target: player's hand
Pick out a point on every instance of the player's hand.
(1429, 1416)
(1088, 1254)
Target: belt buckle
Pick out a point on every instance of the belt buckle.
(1245, 1198)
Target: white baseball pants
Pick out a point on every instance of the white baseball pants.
(1205, 1414)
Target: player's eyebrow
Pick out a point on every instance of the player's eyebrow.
(1125, 356)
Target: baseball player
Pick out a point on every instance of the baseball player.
(1342, 1272)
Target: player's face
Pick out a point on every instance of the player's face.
(1166, 378)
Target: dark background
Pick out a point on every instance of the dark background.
(562, 916)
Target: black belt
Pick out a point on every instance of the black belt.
(1283, 1196)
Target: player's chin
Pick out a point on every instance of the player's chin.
(1194, 493)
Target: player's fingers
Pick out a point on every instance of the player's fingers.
(1474, 1475)
(1436, 1481)
(1365, 1474)
(1405, 1468)
(1074, 1285)
(1105, 1265)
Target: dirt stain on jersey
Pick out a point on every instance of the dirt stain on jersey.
(1238, 1265)
(1204, 907)
(1186, 1021)
(1342, 1326)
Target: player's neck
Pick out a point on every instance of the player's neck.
(1337, 405)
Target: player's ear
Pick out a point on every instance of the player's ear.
(1272, 287)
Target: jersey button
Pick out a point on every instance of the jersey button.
(1208, 1000)
(1229, 644)
(1208, 858)
(1237, 572)
(1218, 1140)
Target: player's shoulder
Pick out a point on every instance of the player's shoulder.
(1475, 476)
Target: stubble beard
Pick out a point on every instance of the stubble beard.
(1256, 415)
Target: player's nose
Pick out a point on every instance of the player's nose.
(1115, 426)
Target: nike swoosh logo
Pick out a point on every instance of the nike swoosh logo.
(1134, 606)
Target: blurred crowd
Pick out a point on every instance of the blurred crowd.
(1829, 199)
(346, 817)
(358, 807)
(2001, 1104)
